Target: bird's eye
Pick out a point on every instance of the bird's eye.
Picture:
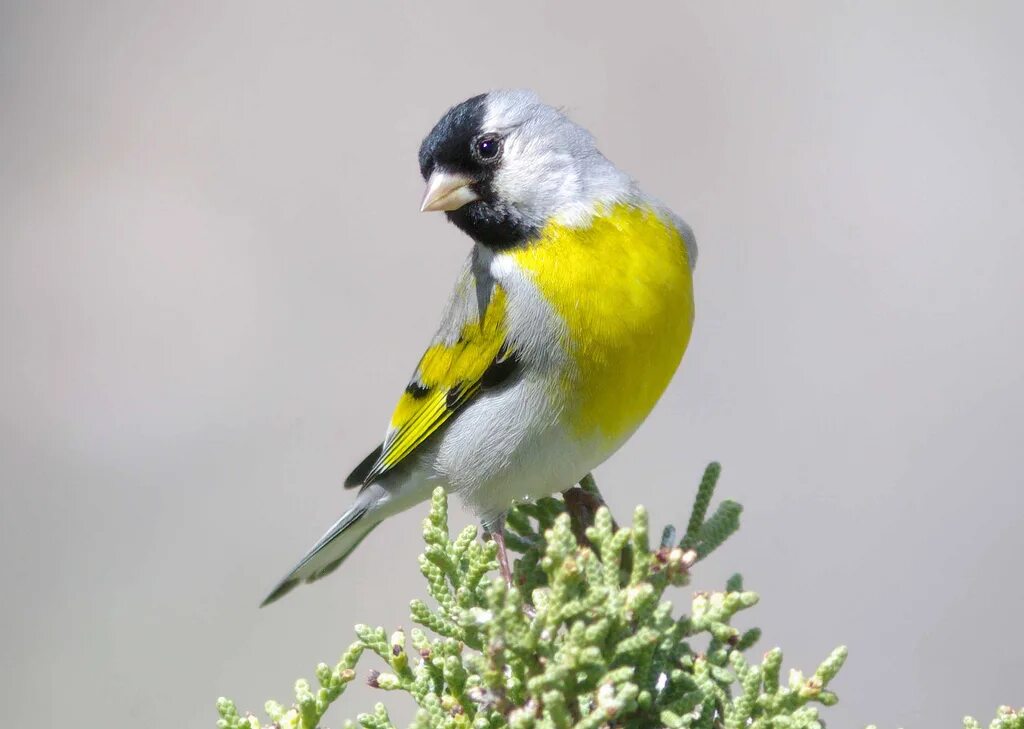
(487, 148)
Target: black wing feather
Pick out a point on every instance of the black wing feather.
(358, 476)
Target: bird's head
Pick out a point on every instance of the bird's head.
(503, 164)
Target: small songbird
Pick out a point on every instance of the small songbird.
(567, 322)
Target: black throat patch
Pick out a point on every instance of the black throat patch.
(490, 221)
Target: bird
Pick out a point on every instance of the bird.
(567, 322)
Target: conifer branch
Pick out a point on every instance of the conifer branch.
(583, 640)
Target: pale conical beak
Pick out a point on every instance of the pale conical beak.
(447, 191)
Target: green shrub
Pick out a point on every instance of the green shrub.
(584, 640)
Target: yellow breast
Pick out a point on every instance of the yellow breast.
(622, 286)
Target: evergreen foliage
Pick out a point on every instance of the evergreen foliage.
(584, 639)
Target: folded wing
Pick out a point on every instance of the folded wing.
(472, 351)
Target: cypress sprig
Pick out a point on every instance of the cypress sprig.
(584, 639)
(1006, 718)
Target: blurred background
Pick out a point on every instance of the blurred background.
(215, 282)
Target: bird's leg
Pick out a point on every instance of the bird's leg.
(499, 539)
(496, 531)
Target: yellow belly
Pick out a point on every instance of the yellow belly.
(623, 288)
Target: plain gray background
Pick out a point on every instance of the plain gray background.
(215, 283)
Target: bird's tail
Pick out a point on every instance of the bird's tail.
(370, 509)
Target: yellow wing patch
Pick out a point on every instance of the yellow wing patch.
(448, 375)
